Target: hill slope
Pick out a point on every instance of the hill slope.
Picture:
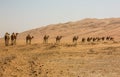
(83, 28)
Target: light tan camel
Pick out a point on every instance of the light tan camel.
(28, 39)
(7, 38)
(14, 38)
(45, 39)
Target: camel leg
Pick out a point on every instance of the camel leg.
(11, 42)
(8, 42)
(43, 41)
(29, 41)
(15, 42)
(47, 41)
(56, 41)
(73, 41)
(26, 41)
(76, 42)
(59, 41)
(5, 42)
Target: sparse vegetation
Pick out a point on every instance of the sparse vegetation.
(95, 53)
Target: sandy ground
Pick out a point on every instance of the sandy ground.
(63, 60)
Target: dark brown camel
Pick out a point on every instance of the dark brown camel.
(108, 38)
(58, 38)
(75, 38)
(98, 38)
(28, 39)
(111, 39)
(7, 38)
(103, 38)
(89, 39)
(45, 38)
(14, 38)
(83, 39)
(94, 39)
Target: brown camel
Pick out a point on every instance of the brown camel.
(94, 39)
(75, 38)
(108, 38)
(103, 38)
(111, 39)
(98, 38)
(28, 39)
(89, 39)
(14, 38)
(7, 38)
(83, 39)
(58, 38)
(45, 38)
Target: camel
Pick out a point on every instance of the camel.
(111, 39)
(7, 38)
(14, 38)
(75, 38)
(93, 39)
(89, 39)
(103, 38)
(108, 38)
(28, 39)
(83, 39)
(58, 38)
(96, 39)
(45, 38)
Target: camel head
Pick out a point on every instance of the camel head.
(61, 36)
(13, 33)
(28, 35)
(32, 37)
(77, 37)
(17, 34)
(48, 36)
(6, 33)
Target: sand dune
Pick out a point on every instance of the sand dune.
(83, 28)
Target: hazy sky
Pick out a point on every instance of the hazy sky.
(21, 15)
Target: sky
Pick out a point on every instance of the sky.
(22, 15)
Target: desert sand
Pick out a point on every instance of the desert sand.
(63, 60)
(88, 59)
